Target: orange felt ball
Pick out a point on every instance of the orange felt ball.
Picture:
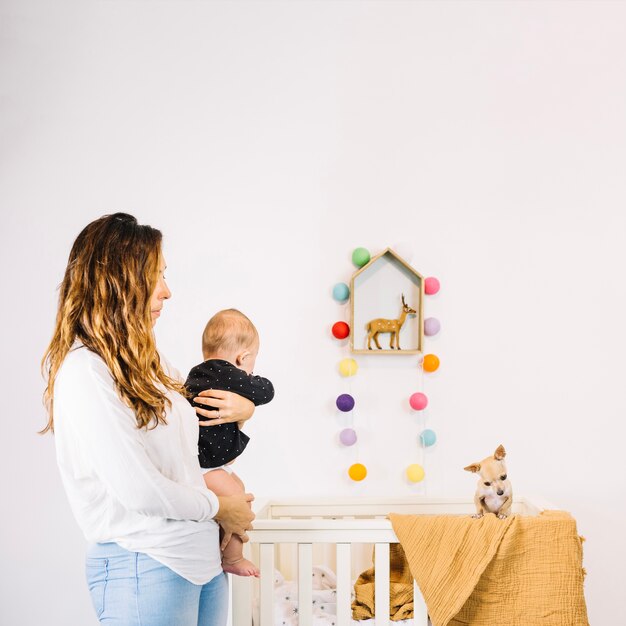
(357, 472)
(341, 330)
(430, 362)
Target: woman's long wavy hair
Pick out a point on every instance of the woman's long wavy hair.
(104, 302)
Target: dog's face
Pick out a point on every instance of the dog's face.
(492, 471)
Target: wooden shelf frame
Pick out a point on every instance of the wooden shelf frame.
(420, 308)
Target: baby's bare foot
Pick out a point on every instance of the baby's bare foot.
(241, 567)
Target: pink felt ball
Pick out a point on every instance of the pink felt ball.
(431, 286)
(431, 326)
(418, 401)
(347, 437)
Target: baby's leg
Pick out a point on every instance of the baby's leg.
(222, 483)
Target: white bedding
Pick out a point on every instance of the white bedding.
(324, 601)
(286, 599)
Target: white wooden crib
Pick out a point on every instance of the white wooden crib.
(292, 531)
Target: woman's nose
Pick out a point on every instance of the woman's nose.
(165, 292)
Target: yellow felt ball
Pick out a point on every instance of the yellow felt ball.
(357, 472)
(430, 362)
(348, 367)
(415, 473)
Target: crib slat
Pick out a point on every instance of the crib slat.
(344, 563)
(381, 587)
(241, 590)
(267, 584)
(241, 612)
(420, 612)
(305, 584)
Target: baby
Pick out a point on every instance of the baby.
(230, 344)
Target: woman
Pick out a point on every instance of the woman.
(126, 438)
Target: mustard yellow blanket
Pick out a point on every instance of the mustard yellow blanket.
(522, 571)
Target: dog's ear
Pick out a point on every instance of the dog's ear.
(474, 467)
(500, 453)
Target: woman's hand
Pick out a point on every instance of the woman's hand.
(229, 407)
(235, 516)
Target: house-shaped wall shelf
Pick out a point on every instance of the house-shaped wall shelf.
(376, 292)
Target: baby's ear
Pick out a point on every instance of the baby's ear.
(500, 453)
(474, 467)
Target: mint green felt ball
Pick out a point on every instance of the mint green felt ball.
(360, 257)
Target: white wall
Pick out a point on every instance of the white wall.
(269, 139)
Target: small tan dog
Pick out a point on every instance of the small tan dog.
(494, 493)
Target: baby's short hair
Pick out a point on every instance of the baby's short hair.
(228, 330)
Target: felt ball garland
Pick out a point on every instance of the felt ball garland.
(418, 401)
(348, 367)
(345, 402)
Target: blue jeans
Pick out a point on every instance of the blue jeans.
(132, 589)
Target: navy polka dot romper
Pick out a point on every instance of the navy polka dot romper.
(221, 444)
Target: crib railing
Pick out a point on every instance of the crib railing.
(305, 533)
(344, 524)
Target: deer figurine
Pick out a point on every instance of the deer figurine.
(388, 326)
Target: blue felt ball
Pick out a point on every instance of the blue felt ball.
(428, 437)
(345, 402)
(341, 292)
